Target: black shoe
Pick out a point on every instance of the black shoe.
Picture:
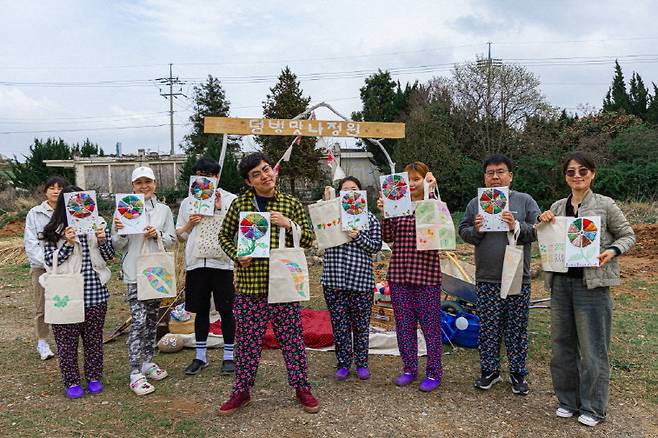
(519, 384)
(487, 380)
(228, 367)
(195, 367)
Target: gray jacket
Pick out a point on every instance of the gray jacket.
(615, 231)
(490, 246)
(36, 220)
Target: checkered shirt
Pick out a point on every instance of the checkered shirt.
(254, 278)
(95, 292)
(408, 265)
(349, 266)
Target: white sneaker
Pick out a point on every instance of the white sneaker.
(588, 420)
(44, 350)
(564, 413)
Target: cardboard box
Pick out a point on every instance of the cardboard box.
(382, 317)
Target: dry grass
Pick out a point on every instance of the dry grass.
(32, 401)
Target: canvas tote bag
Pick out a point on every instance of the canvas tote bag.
(156, 273)
(325, 217)
(65, 290)
(512, 278)
(207, 238)
(288, 280)
(434, 226)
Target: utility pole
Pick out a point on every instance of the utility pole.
(171, 81)
(488, 63)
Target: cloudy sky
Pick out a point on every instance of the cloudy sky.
(87, 68)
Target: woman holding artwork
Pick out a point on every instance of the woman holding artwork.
(141, 340)
(581, 305)
(35, 221)
(348, 282)
(415, 281)
(96, 250)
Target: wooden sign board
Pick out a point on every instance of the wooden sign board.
(305, 127)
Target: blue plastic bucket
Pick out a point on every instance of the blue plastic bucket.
(448, 328)
(468, 337)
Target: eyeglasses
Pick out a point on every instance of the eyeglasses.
(259, 173)
(582, 171)
(499, 172)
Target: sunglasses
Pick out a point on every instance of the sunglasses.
(583, 171)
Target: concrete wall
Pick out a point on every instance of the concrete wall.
(113, 175)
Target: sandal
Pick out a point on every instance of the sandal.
(155, 373)
(141, 387)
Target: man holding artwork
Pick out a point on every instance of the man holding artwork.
(501, 317)
(251, 308)
(207, 277)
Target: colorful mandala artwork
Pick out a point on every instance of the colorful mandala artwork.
(394, 187)
(202, 188)
(582, 232)
(130, 207)
(297, 275)
(354, 203)
(81, 205)
(253, 226)
(160, 279)
(493, 201)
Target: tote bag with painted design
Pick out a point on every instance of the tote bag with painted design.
(64, 290)
(325, 217)
(288, 281)
(156, 273)
(434, 226)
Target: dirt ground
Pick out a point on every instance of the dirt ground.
(32, 401)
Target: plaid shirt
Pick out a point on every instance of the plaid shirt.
(95, 292)
(349, 266)
(254, 278)
(408, 265)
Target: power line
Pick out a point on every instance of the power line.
(42, 131)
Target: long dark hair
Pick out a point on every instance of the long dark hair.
(54, 230)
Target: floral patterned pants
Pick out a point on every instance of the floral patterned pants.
(413, 305)
(251, 315)
(503, 318)
(350, 321)
(66, 338)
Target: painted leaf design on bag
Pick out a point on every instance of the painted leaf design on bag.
(61, 301)
(297, 275)
(159, 278)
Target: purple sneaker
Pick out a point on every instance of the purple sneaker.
(429, 384)
(363, 373)
(342, 373)
(74, 391)
(405, 378)
(95, 387)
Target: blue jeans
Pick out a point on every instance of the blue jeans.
(581, 319)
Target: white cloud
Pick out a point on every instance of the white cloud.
(16, 104)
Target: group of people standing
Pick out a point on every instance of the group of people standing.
(581, 306)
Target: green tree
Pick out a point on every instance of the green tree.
(617, 98)
(87, 149)
(492, 103)
(209, 100)
(638, 97)
(383, 100)
(285, 101)
(652, 108)
(34, 172)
